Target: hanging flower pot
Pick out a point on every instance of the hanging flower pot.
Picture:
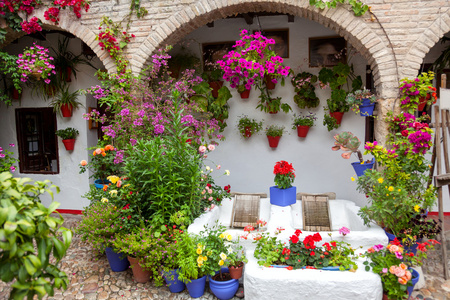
(273, 141)
(366, 110)
(69, 144)
(35, 74)
(269, 83)
(422, 102)
(245, 94)
(248, 132)
(139, 274)
(16, 95)
(66, 110)
(215, 85)
(337, 115)
(100, 183)
(360, 168)
(302, 131)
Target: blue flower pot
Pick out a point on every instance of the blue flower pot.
(414, 280)
(224, 290)
(366, 110)
(99, 183)
(196, 287)
(283, 197)
(175, 285)
(366, 101)
(408, 249)
(361, 168)
(117, 261)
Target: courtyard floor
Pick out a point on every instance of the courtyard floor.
(91, 278)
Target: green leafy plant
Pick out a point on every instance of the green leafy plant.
(305, 90)
(7, 160)
(412, 90)
(359, 8)
(67, 133)
(268, 250)
(64, 97)
(250, 123)
(236, 256)
(30, 235)
(355, 99)
(102, 162)
(330, 122)
(342, 254)
(304, 120)
(9, 76)
(275, 130)
(186, 60)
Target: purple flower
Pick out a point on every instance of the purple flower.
(344, 231)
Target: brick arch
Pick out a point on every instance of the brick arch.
(68, 22)
(424, 43)
(368, 39)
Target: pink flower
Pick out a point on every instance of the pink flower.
(344, 231)
(211, 147)
(202, 149)
(218, 167)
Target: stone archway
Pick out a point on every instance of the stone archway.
(368, 39)
(70, 24)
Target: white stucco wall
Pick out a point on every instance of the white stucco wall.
(72, 184)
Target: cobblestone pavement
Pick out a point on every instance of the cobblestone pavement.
(91, 278)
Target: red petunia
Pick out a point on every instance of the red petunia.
(294, 239)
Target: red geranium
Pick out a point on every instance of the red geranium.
(284, 174)
(294, 239)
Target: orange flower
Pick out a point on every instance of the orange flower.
(403, 280)
(102, 149)
(403, 266)
(109, 147)
(105, 187)
(83, 162)
(98, 151)
(103, 154)
(94, 153)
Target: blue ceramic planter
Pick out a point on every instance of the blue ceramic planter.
(283, 197)
(99, 183)
(415, 279)
(117, 261)
(224, 290)
(361, 168)
(175, 285)
(196, 287)
(408, 249)
(366, 110)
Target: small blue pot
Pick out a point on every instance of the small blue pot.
(366, 101)
(175, 285)
(361, 168)
(117, 261)
(196, 287)
(283, 197)
(366, 110)
(408, 249)
(224, 290)
(99, 183)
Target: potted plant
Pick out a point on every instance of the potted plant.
(102, 164)
(236, 260)
(214, 78)
(305, 90)
(303, 123)
(68, 136)
(10, 78)
(35, 61)
(400, 187)
(362, 102)
(417, 92)
(338, 77)
(64, 102)
(248, 126)
(274, 133)
(283, 193)
(349, 143)
(268, 250)
(393, 265)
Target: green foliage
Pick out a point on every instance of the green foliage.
(275, 130)
(305, 89)
(359, 8)
(101, 162)
(64, 97)
(330, 122)
(301, 120)
(98, 225)
(67, 133)
(246, 122)
(268, 250)
(7, 161)
(355, 99)
(29, 235)
(9, 76)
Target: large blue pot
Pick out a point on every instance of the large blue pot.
(415, 279)
(283, 197)
(224, 290)
(117, 261)
(99, 183)
(366, 101)
(361, 168)
(196, 287)
(175, 285)
(408, 249)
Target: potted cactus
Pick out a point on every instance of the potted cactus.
(349, 143)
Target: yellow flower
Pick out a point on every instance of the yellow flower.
(391, 189)
(417, 208)
(380, 180)
(199, 245)
(222, 236)
(199, 265)
(229, 237)
(352, 178)
(221, 262)
(200, 259)
(113, 179)
(115, 207)
(205, 258)
(399, 190)
(208, 253)
(104, 200)
(223, 256)
(387, 194)
(199, 251)
(113, 193)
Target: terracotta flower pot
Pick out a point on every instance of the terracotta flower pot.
(139, 274)
(245, 94)
(16, 95)
(302, 130)
(248, 132)
(273, 141)
(69, 144)
(236, 272)
(422, 102)
(269, 83)
(337, 116)
(215, 85)
(66, 110)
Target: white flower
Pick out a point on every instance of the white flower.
(207, 168)
(104, 200)
(223, 256)
(227, 172)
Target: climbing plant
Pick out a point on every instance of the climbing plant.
(358, 7)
